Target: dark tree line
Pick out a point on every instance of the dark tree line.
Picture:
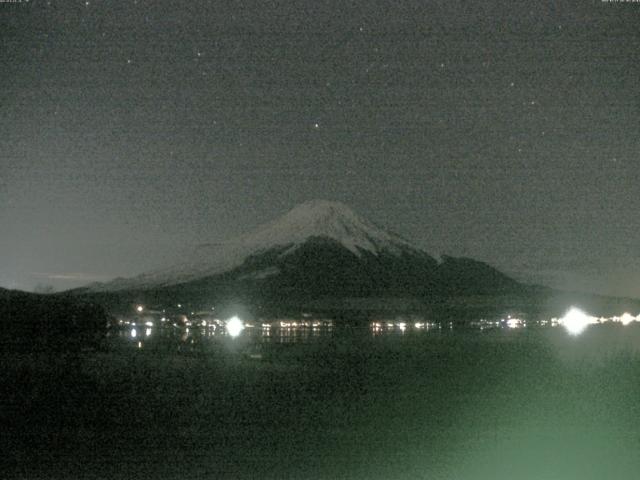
(35, 322)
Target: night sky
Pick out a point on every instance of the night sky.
(503, 130)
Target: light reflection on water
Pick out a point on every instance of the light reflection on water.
(199, 336)
(285, 331)
(280, 332)
(264, 333)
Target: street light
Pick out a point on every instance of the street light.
(234, 326)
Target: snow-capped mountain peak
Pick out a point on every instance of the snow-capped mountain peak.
(317, 218)
(321, 218)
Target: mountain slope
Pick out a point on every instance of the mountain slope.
(458, 276)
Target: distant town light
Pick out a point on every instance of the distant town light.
(627, 318)
(133, 333)
(575, 321)
(234, 326)
(514, 322)
(139, 308)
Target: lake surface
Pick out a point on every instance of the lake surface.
(334, 402)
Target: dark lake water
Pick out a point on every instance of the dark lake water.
(330, 402)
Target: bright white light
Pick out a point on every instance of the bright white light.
(147, 332)
(133, 333)
(148, 324)
(139, 308)
(234, 326)
(627, 318)
(513, 322)
(575, 321)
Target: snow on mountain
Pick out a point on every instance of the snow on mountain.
(317, 218)
(320, 218)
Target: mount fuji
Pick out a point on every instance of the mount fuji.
(319, 249)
